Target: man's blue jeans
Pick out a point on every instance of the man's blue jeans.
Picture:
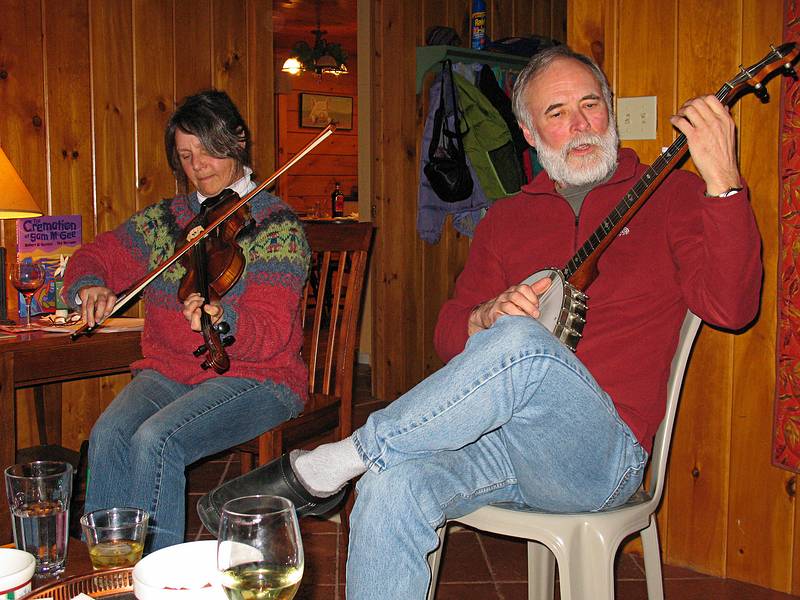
(515, 417)
(142, 443)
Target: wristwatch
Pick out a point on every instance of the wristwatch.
(725, 194)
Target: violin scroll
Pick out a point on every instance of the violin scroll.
(221, 328)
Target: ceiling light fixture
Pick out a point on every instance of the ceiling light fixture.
(323, 58)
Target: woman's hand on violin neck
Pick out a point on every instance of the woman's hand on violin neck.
(96, 303)
(191, 310)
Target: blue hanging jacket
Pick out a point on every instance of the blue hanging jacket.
(431, 210)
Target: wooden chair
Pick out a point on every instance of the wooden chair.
(330, 312)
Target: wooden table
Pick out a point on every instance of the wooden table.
(78, 576)
(39, 359)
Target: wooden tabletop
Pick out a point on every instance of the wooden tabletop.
(38, 358)
(78, 562)
(79, 577)
(41, 357)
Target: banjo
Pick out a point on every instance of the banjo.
(563, 305)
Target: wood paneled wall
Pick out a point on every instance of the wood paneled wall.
(727, 511)
(411, 279)
(86, 87)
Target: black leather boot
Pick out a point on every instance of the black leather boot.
(276, 478)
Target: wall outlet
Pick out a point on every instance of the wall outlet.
(636, 118)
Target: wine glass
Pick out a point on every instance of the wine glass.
(27, 277)
(260, 553)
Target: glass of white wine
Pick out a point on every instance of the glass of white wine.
(260, 552)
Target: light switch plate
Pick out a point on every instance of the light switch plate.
(636, 118)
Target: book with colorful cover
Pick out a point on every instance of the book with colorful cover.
(50, 241)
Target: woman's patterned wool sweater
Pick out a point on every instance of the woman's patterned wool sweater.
(262, 308)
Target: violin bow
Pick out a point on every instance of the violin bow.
(125, 296)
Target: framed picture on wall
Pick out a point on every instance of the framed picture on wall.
(317, 110)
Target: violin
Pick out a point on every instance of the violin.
(227, 210)
(213, 267)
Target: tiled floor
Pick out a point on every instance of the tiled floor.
(475, 566)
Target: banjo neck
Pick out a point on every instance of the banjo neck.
(581, 270)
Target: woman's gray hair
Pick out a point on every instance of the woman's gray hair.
(213, 118)
(538, 63)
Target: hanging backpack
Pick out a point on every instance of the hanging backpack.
(447, 169)
(489, 144)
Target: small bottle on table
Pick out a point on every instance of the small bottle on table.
(337, 202)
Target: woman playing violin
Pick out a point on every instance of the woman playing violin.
(173, 412)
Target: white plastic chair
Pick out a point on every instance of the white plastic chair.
(585, 544)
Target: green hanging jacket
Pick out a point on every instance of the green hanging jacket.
(488, 143)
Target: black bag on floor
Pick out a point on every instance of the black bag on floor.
(447, 169)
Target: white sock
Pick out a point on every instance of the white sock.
(327, 468)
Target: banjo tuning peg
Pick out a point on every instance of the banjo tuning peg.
(761, 93)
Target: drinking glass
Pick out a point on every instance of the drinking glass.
(115, 536)
(260, 553)
(38, 496)
(27, 277)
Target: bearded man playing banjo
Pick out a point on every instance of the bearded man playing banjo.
(516, 416)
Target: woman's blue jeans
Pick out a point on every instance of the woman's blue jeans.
(142, 443)
(515, 417)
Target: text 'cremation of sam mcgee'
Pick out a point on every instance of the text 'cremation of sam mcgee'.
(34, 231)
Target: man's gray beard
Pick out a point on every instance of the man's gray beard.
(589, 169)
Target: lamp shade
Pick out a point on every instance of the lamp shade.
(16, 201)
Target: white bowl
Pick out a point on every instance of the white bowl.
(16, 572)
(179, 572)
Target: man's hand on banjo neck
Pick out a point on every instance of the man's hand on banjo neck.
(520, 300)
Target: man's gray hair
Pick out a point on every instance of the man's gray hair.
(538, 63)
